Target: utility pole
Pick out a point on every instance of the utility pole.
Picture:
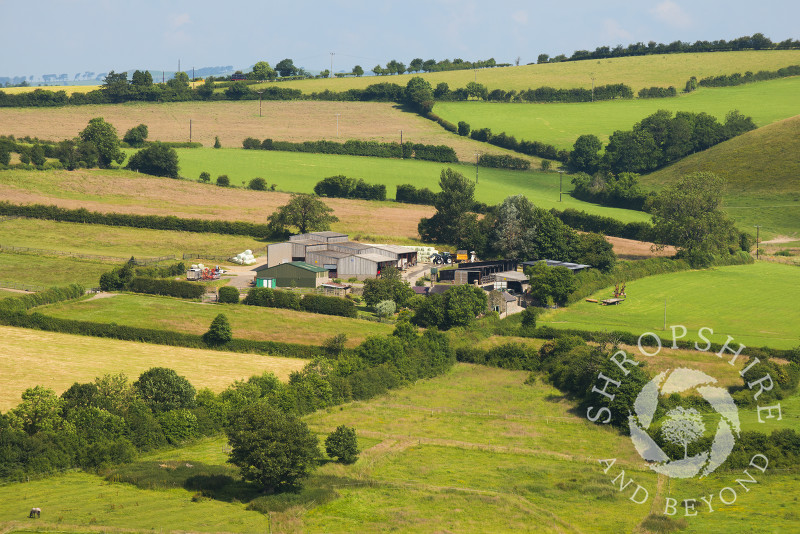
(560, 183)
(259, 101)
(477, 159)
(331, 73)
(758, 235)
(337, 124)
(190, 130)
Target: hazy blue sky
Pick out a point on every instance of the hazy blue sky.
(71, 36)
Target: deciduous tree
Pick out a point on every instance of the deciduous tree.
(104, 137)
(304, 213)
(163, 389)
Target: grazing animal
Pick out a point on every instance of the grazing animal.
(35, 512)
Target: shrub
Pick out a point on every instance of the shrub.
(223, 180)
(228, 295)
(219, 332)
(328, 305)
(272, 298)
(136, 136)
(171, 288)
(217, 144)
(342, 444)
(463, 128)
(257, 184)
(162, 389)
(205, 177)
(157, 160)
(385, 308)
(251, 143)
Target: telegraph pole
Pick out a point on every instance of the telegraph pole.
(560, 183)
(259, 101)
(477, 159)
(190, 130)
(758, 235)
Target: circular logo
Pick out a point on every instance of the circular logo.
(683, 426)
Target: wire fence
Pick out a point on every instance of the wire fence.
(6, 284)
(10, 249)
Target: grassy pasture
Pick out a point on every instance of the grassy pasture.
(58, 360)
(48, 271)
(638, 72)
(475, 447)
(300, 172)
(117, 241)
(247, 322)
(762, 175)
(756, 304)
(232, 122)
(128, 192)
(561, 124)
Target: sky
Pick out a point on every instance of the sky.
(74, 36)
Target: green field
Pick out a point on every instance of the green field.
(762, 174)
(48, 271)
(248, 322)
(298, 172)
(638, 72)
(756, 304)
(562, 124)
(68, 359)
(120, 242)
(474, 450)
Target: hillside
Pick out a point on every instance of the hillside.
(762, 172)
(638, 72)
(761, 161)
(561, 124)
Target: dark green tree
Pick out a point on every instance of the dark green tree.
(219, 332)
(342, 444)
(206, 89)
(632, 151)
(390, 286)
(141, 78)
(454, 205)
(163, 389)
(688, 215)
(286, 67)
(237, 91)
(104, 138)
(595, 250)
(585, 155)
(262, 71)
(415, 65)
(257, 184)
(116, 87)
(358, 71)
(551, 283)
(462, 304)
(223, 180)
(273, 449)
(157, 159)
(217, 144)
(136, 136)
(37, 155)
(205, 176)
(419, 95)
(543, 58)
(304, 213)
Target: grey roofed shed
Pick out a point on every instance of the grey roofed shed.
(301, 273)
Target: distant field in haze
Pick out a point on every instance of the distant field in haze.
(638, 72)
(562, 124)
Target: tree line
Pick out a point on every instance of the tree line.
(755, 42)
(355, 147)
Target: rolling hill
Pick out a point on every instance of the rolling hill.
(762, 172)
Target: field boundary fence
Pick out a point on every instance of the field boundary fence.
(48, 252)
(7, 284)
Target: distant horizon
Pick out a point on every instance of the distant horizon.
(52, 36)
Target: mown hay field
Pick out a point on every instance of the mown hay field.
(56, 361)
(232, 122)
(247, 322)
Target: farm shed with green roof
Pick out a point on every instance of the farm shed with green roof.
(297, 273)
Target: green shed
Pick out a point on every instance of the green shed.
(297, 273)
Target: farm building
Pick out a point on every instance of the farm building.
(339, 256)
(297, 273)
(574, 267)
(478, 272)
